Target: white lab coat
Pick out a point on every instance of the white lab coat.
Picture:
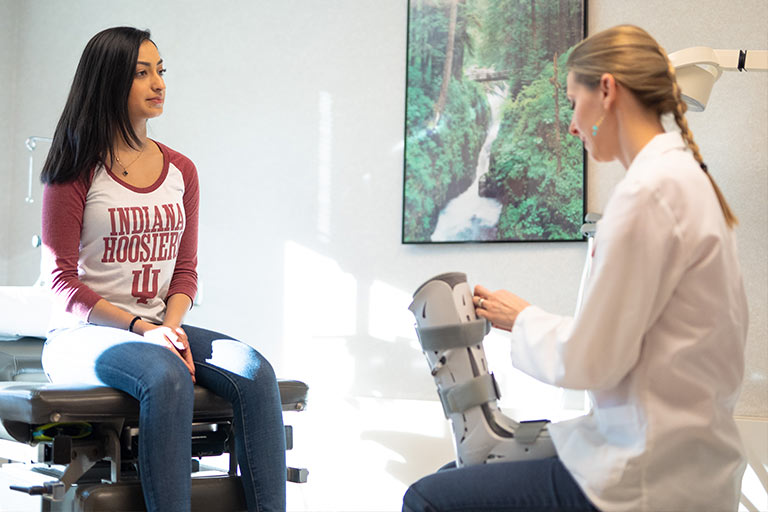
(659, 344)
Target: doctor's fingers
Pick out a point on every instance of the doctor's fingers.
(482, 291)
(497, 318)
(481, 295)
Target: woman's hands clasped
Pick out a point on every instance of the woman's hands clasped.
(175, 339)
(500, 307)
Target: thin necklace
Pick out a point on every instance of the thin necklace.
(125, 167)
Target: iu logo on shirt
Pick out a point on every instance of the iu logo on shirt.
(141, 283)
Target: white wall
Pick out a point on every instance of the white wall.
(293, 112)
(8, 65)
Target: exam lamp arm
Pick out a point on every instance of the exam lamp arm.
(699, 67)
(726, 60)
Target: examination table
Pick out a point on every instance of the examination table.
(86, 438)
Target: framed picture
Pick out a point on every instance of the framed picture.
(488, 156)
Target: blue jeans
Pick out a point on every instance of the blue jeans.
(161, 382)
(534, 486)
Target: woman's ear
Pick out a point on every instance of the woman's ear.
(607, 89)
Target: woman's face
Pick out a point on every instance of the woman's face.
(587, 105)
(148, 90)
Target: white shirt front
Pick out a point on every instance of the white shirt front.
(658, 343)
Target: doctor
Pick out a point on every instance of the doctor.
(659, 340)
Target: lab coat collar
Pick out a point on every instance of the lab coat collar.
(661, 143)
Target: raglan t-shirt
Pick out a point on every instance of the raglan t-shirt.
(133, 247)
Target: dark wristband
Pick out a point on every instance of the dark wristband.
(135, 319)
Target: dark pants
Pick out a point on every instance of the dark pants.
(161, 382)
(534, 486)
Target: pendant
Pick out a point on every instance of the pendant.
(125, 173)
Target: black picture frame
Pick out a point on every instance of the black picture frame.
(488, 156)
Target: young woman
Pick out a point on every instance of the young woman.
(120, 218)
(659, 340)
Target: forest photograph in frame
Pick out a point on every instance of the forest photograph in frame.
(488, 156)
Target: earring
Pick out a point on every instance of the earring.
(597, 125)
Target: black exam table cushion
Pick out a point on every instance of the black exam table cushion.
(26, 402)
(38, 403)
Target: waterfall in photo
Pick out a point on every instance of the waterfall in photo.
(469, 216)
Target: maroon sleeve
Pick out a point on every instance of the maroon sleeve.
(62, 221)
(184, 278)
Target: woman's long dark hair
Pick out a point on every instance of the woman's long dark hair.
(97, 107)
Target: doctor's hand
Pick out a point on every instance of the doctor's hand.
(175, 339)
(500, 307)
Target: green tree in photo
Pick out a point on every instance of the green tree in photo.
(536, 167)
(446, 116)
(459, 51)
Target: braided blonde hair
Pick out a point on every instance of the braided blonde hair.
(637, 62)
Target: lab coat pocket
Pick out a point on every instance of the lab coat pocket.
(622, 429)
(599, 447)
(620, 424)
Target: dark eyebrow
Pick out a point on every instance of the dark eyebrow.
(147, 63)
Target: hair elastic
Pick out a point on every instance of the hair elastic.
(135, 319)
